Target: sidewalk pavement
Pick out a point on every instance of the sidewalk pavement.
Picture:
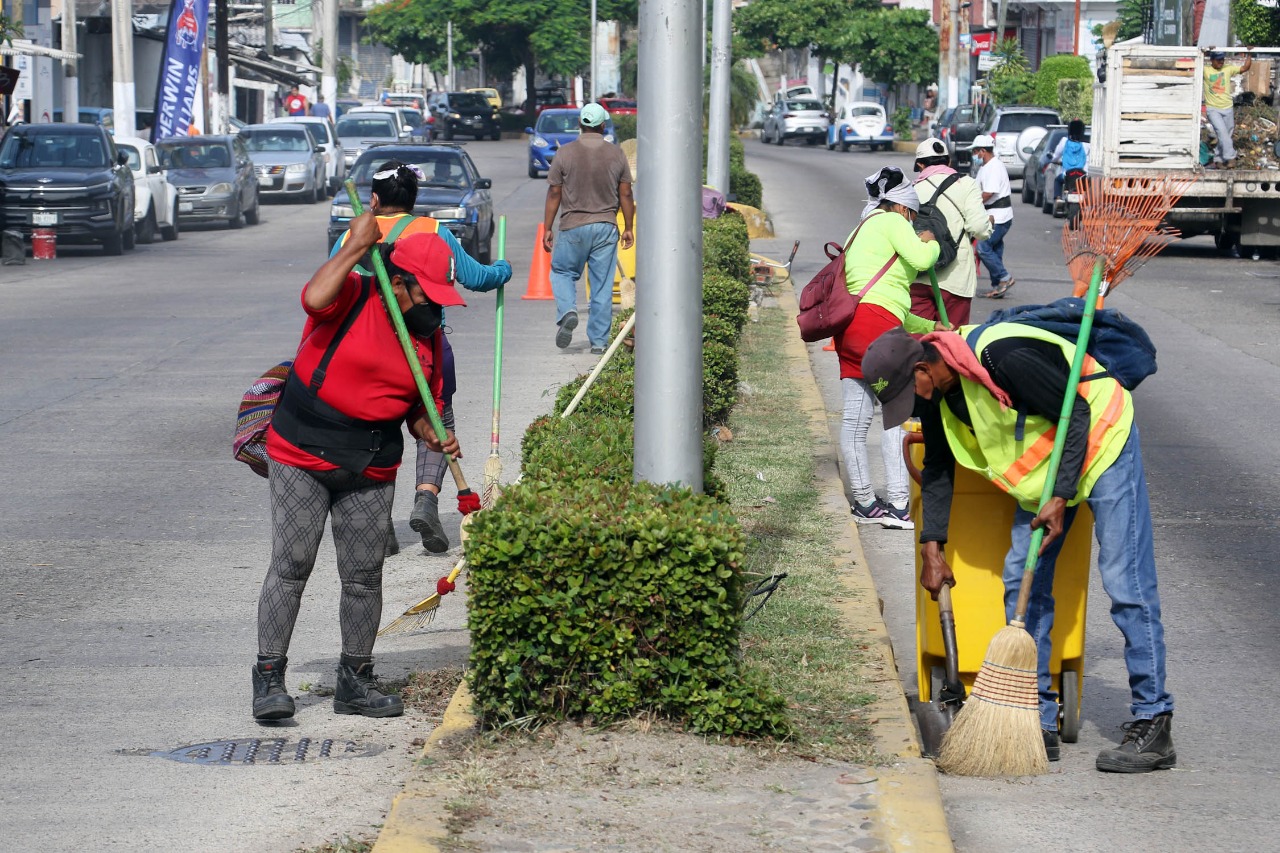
(893, 807)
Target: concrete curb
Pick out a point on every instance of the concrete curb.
(910, 799)
(413, 824)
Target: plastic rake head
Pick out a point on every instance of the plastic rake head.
(420, 615)
(1121, 221)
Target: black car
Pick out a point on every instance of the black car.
(215, 178)
(967, 121)
(452, 193)
(463, 112)
(1037, 174)
(69, 177)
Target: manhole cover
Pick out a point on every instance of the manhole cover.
(267, 751)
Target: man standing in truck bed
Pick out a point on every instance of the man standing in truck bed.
(1219, 107)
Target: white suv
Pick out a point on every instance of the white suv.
(335, 164)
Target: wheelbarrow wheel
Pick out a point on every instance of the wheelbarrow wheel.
(1070, 728)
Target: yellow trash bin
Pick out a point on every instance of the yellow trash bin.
(627, 259)
(977, 542)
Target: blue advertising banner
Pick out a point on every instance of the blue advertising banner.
(180, 68)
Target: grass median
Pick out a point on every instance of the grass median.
(797, 638)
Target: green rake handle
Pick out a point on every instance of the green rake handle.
(497, 344)
(1059, 441)
(410, 354)
(937, 298)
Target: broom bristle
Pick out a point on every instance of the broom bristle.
(997, 733)
(492, 474)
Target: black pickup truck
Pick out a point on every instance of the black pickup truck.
(967, 121)
(68, 177)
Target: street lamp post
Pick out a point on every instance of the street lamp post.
(718, 120)
(668, 395)
(594, 94)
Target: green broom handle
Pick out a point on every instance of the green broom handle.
(1059, 440)
(497, 345)
(402, 334)
(937, 298)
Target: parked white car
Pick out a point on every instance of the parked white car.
(155, 200)
(796, 119)
(861, 123)
(335, 164)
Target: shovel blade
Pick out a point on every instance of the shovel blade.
(934, 719)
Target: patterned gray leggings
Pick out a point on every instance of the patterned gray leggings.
(432, 464)
(300, 502)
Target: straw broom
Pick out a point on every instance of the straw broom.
(997, 733)
(493, 465)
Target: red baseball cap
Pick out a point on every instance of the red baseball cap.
(427, 258)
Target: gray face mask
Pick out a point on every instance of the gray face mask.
(423, 319)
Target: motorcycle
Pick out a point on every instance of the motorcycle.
(1071, 192)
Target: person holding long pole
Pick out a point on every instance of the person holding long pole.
(335, 444)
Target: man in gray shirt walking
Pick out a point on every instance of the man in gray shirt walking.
(590, 180)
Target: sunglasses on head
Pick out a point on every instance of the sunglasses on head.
(395, 170)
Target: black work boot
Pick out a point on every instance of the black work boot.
(392, 545)
(1052, 744)
(1147, 746)
(357, 692)
(270, 700)
(425, 521)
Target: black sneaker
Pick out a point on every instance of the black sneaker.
(1147, 746)
(425, 521)
(564, 332)
(872, 513)
(894, 518)
(270, 700)
(1052, 747)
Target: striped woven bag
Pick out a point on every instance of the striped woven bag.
(256, 408)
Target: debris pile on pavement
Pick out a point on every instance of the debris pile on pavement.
(1255, 136)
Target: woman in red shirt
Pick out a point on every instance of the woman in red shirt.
(334, 446)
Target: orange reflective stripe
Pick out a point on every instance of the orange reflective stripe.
(1033, 456)
(1110, 417)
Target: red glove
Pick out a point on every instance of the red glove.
(468, 503)
(444, 586)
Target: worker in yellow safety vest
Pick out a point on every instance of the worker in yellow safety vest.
(993, 406)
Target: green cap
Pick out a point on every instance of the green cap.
(593, 115)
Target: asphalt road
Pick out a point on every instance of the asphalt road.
(1211, 450)
(133, 546)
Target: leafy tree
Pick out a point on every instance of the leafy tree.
(819, 25)
(743, 95)
(895, 47)
(1010, 81)
(9, 28)
(1132, 19)
(551, 35)
(1063, 66)
(1255, 24)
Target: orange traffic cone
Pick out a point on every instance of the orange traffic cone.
(831, 346)
(539, 270)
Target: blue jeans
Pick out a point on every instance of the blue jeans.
(1127, 566)
(594, 245)
(991, 252)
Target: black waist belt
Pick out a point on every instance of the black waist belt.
(311, 424)
(1007, 201)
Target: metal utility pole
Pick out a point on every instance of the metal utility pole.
(329, 57)
(594, 94)
(449, 37)
(269, 27)
(668, 396)
(1075, 33)
(70, 78)
(953, 55)
(718, 121)
(222, 52)
(123, 97)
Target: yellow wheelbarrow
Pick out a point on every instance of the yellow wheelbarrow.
(978, 540)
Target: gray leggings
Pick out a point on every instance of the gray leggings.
(432, 464)
(300, 502)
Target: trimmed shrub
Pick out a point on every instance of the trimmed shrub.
(718, 330)
(737, 152)
(613, 393)
(1060, 67)
(731, 225)
(606, 600)
(1075, 99)
(901, 123)
(719, 382)
(721, 252)
(745, 186)
(725, 297)
(580, 447)
(624, 128)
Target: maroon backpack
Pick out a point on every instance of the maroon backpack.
(826, 305)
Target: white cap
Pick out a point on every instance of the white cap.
(931, 147)
(982, 140)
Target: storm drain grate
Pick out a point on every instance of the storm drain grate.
(270, 751)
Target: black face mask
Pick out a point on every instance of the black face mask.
(423, 319)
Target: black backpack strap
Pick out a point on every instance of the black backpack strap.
(946, 184)
(317, 375)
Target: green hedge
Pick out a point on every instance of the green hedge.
(1055, 68)
(719, 382)
(745, 187)
(721, 252)
(725, 297)
(624, 128)
(587, 598)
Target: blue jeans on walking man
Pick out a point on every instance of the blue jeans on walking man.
(991, 253)
(594, 245)
(1127, 566)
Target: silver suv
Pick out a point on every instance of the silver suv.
(1007, 123)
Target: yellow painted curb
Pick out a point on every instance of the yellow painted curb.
(414, 824)
(909, 797)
